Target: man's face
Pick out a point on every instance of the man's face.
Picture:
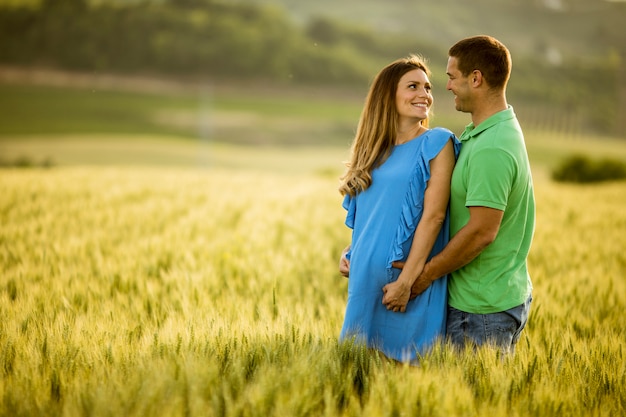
(459, 85)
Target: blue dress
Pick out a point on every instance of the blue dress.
(384, 218)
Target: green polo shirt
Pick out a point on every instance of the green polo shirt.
(493, 171)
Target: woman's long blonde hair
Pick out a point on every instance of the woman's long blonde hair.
(378, 125)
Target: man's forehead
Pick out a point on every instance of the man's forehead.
(452, 64)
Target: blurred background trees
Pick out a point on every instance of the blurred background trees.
(293, 43)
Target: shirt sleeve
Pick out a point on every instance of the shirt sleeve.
(490, 178)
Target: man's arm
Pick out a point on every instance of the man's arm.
(479, 232)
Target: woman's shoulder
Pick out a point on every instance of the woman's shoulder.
(441, 134)
(438, 137)
(442, 131)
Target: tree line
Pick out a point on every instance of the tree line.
(193, 39)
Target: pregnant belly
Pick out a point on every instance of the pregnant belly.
(370, 275)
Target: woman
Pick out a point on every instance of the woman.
(396, 188)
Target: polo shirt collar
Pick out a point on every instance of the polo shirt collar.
(471, 131)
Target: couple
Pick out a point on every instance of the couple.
(441, 227)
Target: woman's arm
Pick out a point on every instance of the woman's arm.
(436, 197)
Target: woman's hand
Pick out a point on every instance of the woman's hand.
(396, 296)
(344, 263)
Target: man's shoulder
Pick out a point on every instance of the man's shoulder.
(501, 135)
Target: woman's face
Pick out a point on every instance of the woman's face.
(414, 97)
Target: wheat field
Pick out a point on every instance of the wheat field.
(188, 292)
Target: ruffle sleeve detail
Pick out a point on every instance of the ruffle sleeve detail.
(349, 203)
(413, 204)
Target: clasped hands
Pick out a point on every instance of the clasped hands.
(397, 294)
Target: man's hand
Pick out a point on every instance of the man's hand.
(420, 285)
(398, 264)
(344, 263)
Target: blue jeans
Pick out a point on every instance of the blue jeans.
(501, 329)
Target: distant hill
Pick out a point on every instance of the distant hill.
(554, 29)
(568, 54)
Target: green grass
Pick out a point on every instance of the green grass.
(245, 115)
(128, 150)
(29, 109)
(122, 123)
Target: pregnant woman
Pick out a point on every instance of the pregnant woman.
(396, 190)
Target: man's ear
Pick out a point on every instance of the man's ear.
(476, 78)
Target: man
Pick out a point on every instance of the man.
(492, 206)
